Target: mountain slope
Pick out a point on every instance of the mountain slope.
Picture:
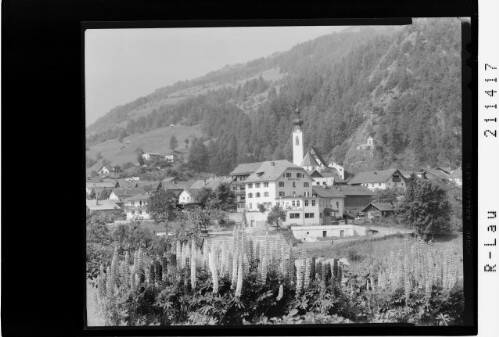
(401, 87)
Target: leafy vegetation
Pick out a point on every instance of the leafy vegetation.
(184, 281)
(426, 207)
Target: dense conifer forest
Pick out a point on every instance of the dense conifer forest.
(403, 87)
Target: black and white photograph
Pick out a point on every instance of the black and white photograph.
(274, 175)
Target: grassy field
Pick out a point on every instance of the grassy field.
(152, 141)
(379, 248)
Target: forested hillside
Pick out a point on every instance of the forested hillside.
(401, 87)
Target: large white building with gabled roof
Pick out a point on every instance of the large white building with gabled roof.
(263, 185)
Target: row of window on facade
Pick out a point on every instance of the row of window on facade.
(139, 203)
(281, 184)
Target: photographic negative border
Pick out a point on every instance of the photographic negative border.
(42, 56)
(469, 189)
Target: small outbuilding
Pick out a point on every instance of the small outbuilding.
(378, 210)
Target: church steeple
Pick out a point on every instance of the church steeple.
(297, 139)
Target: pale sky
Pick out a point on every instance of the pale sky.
(124, 64)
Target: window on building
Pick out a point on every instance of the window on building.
(257, 185)
(250, 195)
(293, 203)
(306, 203)
(306, 193)
(266, 194)
(294, 215)
(313, 202)
(294, 184)
(281, 184)
(297, 141)
(281, 194)
(250, 185)
(379, 184)
(297, 203)
(265, 184)
(309, 215)
(299, 175)
(337, 204)
(288, 175)
(257, 195)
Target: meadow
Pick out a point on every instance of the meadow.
(157, 140)
(264, 280)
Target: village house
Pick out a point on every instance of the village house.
(340, 169)
(356, 199)
(376, 210)
(278, 182)
(148, 156)
(98, 187)
(331, 203)
(177, 186)
(135, 207)
(436, 175)
(171, 156)
(172, 180)
(101, 206)
(189, 196)
(239, 175)
(327, 177)
(148, 185)
(105, 170)
(120, 194)
(379, 180)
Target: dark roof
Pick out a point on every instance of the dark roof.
(437, 173)
(309, 160)
(101, 205)
(126, 192)
(179, 185)
(317, 156)
(104, 185)
(272, 170)
(245, 168)
(382, 206)
(373, 176)
(143, 183)
(355, 190)
(193, 192)
(316, 174)
(213, 183)
(138, 197)
(327, 192)
(168, 179)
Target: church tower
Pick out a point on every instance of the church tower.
(297, 139)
